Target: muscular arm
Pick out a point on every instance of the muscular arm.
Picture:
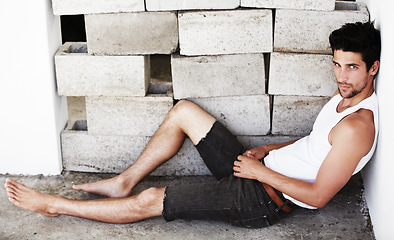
(351, 139)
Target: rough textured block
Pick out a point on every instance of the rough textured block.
(73, 7)
(243, 115)
(213, 76)
(81, 74)
(163, 5)
(327, 5)
(84, 152)
(136, 116)
(308, 31)
(294, 115)
(132, 33)
(225, 32)
(292, 74)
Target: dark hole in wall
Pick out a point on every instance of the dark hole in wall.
(80, 125)
(73, 28)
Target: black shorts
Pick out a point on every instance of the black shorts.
(238, 201)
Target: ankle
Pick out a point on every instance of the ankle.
(124, 181)
(53, 207)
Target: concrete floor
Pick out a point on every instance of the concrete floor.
(345, 217)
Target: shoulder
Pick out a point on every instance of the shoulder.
(358, 121)
(357, 128)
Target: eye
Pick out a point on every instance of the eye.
(336, 64)
(353, 67)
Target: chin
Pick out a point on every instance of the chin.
(348, 95)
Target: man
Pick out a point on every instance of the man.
(257, 187)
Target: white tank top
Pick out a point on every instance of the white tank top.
(303, 159)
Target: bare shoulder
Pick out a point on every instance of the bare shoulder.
(359, 121)
(357, 128)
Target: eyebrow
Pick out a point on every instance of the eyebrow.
(348, 64)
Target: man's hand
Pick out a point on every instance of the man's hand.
(247, 167)
(258, 153)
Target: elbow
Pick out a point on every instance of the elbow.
(319, 202)
(319, 205)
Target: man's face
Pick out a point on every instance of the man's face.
(351, 73)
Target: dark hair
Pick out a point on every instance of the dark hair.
(358, 37)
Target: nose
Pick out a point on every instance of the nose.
(342, 75)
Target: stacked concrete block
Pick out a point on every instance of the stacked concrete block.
(82, 74)
(132, 33)
(165, 5)
(225, 32)
(124, 105)
(242, 115)
(84, 152)
(74, 7)
(214, 76)
(221, 66)
(266, 86)
(134, 116)
(308, 31)
(87, 152)
(326, 5)
(301, 74)
(295, 115)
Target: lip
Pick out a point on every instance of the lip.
(343, 86)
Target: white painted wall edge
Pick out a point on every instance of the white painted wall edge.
(31, 113)
(379, 173)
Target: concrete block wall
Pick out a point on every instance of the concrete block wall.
(260, 67)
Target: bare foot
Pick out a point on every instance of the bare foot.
(113, 187)
(31, 200)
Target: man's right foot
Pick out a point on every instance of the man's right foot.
(113, 187)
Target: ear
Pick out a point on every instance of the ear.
(374, 68)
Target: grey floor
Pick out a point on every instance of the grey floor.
(345, 217)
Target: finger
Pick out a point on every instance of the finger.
(250, 154)
(237, 174)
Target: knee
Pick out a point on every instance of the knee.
(182, 108)
(150, 198)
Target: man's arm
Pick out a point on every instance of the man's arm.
(351, 139)
(261, 151)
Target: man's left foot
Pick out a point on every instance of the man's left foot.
(31, 200)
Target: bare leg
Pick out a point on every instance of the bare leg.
(186, 118)
(148, 203)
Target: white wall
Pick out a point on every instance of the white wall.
(31, 114)
(379, 174)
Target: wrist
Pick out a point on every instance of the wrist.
(264, 150)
